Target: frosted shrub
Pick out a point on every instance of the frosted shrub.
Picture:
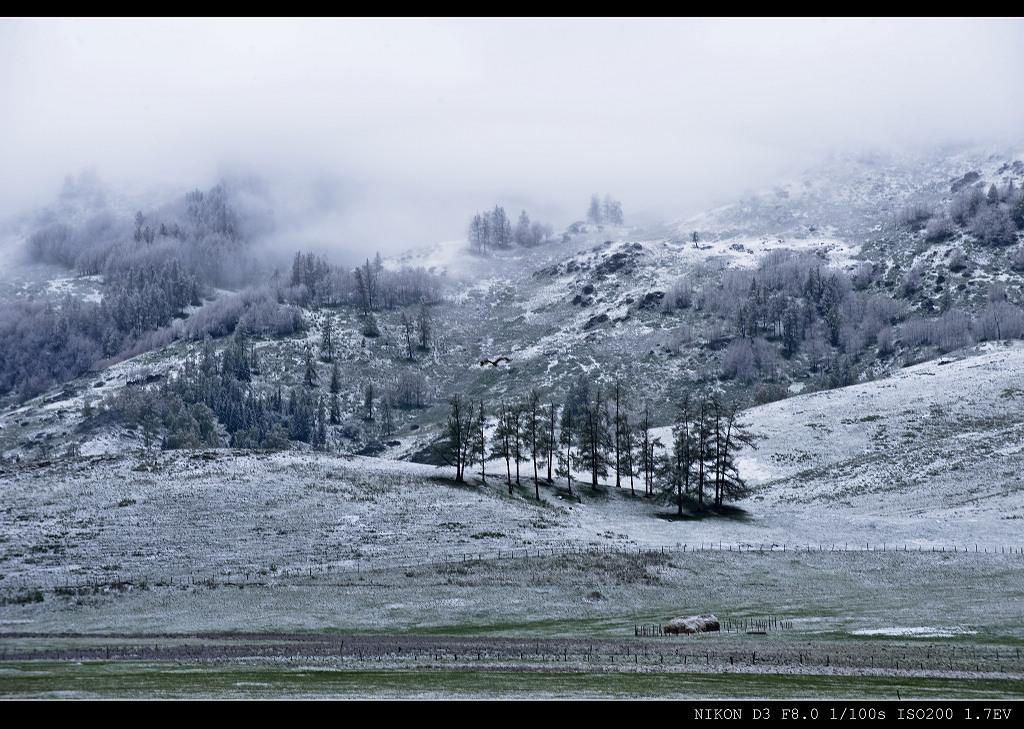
(957, 259)
(952, 331)
(678, 296)
(994, 227)
(916, 332)
(1017, 262)
(940, 228)
(885, 341)
(751, 359)
(999, 320)
(913, 215)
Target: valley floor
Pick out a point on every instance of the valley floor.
(230, 574)
(238, 665)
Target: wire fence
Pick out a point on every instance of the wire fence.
(70, 582)
(673, 652)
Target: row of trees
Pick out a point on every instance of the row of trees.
(314, 281)
(494, 230)
(596, 432)
(604, 211)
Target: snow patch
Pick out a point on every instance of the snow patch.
(918, 632)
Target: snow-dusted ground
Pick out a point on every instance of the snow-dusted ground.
(86, 287)
(226, 541)
(932, 455)
(928, 459)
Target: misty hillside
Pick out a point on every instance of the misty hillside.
(171, 326)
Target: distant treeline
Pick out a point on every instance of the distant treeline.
(156, 271)
(316, 282)
(493, 229)
(993, 215)
(151, 274)
(791, 318)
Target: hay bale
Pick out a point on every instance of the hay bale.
(693, 624)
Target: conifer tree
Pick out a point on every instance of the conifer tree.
(335, 379)
(407, 326)
(549, 439)
(730, 436)
(320, 434)
(594, 437)
(387, 426)
(502, 440)
(681, 460)
(327, 339)
(459, 436)
(425, 325)
(480, 441)
(566, 429)
(310, 376)
(368, 397)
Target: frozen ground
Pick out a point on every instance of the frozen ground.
(929, 458)
(886, 514)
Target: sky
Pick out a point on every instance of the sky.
(391, 133)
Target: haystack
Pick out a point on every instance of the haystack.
(693, 624)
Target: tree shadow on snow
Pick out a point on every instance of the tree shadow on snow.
(731, 513)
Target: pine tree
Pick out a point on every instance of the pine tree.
(595, 214)
(302, 416)
(327, 339)
(457, 443)
(730, 436)
(320, 433)
(425, 324)
(367, 277)
(533, 433)
(502, 440)
(335, 410)
(619, 413)
(335, 379)
(516, 433)
(480, 442)
(311, 376)
(628, 443)
(407, 326)
(549, 438)
(368, 397)
(681, 460)
(566, 429)
(387, 426)
(594, 437)
(648, 447)
(703, 437)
